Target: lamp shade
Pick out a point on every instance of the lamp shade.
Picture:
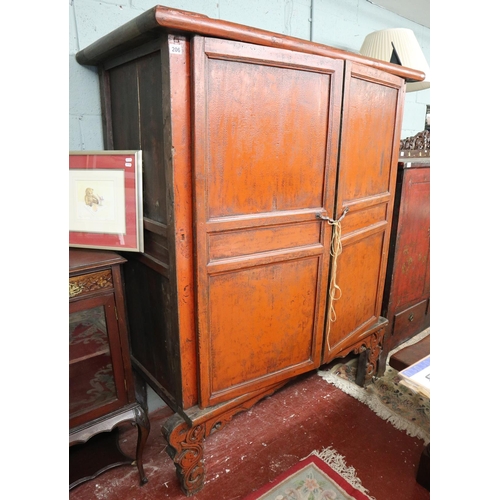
(398, 45)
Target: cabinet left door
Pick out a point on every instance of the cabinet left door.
(97, 384)
(266, 124)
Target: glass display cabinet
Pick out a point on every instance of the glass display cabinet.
(101, 385)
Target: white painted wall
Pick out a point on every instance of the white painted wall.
(339, 23)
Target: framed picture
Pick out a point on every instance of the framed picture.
(105, 200)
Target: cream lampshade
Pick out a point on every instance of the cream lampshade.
(399, 46)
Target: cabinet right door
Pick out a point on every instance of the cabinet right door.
(371, 127)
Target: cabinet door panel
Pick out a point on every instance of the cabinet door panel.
(96, 374)
(412, 259)
(267, 310)
(265, 149)
(358, 278)
(371, 124)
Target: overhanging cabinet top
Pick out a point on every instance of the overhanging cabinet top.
(148, 25)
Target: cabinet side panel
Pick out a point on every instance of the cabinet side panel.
(153, 343)
(139, 91)
(136, 97)
(124, 107)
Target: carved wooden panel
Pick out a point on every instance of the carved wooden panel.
(87, 283)
(418, 145)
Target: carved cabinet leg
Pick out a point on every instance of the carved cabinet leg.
(186, 443)
(185, 447)
(362, 367)
(373, 359)
(369, 355)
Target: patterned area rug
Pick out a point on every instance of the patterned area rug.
(320, 476)
(403, 408)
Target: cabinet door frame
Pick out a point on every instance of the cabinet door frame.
(204, 49)
(107, 301)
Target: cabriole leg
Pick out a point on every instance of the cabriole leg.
(143, 428)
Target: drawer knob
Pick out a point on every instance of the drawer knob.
(410, 317)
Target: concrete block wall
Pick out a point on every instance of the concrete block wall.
(339, 23)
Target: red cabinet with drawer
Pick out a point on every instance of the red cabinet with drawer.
(406, 302)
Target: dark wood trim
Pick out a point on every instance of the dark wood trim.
(107, 125)
(135, 53)
(155, 227)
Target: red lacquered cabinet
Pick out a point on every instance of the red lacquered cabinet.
(254, 146)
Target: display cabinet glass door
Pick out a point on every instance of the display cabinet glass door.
(96, 383)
